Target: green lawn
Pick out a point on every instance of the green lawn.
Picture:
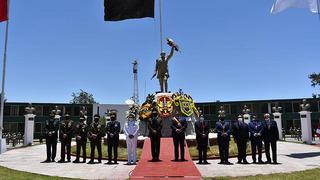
(9, 174)
(122, 152)
(312, 174)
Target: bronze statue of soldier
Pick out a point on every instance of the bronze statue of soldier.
(161, 70)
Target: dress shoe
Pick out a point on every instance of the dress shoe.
(47, 161)
(245, 162)
(206, 162)
(200, 162)
(76, 161)
(90, 162)
(61, 161)
(228, 163)
(221, 162)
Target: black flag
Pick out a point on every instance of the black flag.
(117, 10)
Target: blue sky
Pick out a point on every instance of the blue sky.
(231, 50)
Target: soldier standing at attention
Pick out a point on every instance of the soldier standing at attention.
(256, 130)
(51, 129)
(271, 136)
(95, 133)
(155, 126)
(179, 126)
(81, 132)
(202, 128)
(131, 131)
(66, 133)
(113, 130)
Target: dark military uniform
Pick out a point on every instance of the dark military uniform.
(178, 133)
(65, 136)
(202, 136)
(81, 132)
(95, 133)
(113, 130)
(241, 137)
(51, 129)
(155, 126)
(223, 130)
(256, 130)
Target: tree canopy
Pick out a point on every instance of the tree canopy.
(82, 97)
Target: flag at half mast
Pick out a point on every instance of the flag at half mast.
(3, 10)
(117, 10)
(281, 5)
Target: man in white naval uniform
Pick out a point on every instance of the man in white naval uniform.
(131, 131)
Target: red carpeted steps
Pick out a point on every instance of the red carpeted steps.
(166, 168)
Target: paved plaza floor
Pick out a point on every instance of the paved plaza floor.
(292, 156)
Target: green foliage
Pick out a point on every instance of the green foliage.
(82, 97)
(315, 81)
(103, 121)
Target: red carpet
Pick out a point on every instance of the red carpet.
(166, 168)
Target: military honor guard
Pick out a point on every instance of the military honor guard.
(179, 126)
(113, 130)
(241, 137)
(256, 130)
(223, 129)
(81, 132)
(202, 128)
(95, 133)
(65, 136)
(131, 129)
(51, 130)
(270, 136)
(155, 127)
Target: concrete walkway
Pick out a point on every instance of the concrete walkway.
(294, 157)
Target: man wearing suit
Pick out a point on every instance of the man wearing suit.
(179, 126)
(202, 128)
(223, 130)
(241, 137)
(51, 129)
(256, 130)
(271, 135)
(113, 130)
(155, 126)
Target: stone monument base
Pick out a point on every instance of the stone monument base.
(3, 145)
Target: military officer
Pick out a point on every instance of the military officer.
(113, 130)
(256, 132)
(155, 127)
(65, 136)
(81, 132)
(131, 131)
(179, 126)
(95, 133)
(51, 130)
(241, 137)
(270, 136)
(202, 128)
(224, 131)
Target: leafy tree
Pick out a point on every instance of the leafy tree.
(315, 81)
(82, 97)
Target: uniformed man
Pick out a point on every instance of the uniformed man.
(155, 127)
(131, 129)
(81, 132)
(270, 136)
(256, 132)
(51, 130)
(241, 137)
(113, 130)
(202, 128)
(224, 131)
(65, 136)
(179, 126)
(95, 133)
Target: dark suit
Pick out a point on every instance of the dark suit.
(270, 136)
(51, 129)
(179, 137)
(202, 136)
(256, 127)
(155, 124)
(241, 137)
(113, 127)
(223, 140)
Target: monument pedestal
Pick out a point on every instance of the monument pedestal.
(3, 145)
(28, 129)
(166, 129)
(306, 128)
(278, 118)
(247, 118)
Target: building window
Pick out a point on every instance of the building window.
(213, 109)
(314, 106)
(14, 111)
(288, 107)
(39, 111)
(46, 111)
(264, 108)
(76, 111)
(206, 109)
(38, 128)
(67, 110)
(234, 109)
(296, 106)
(7, 110)
(22, 110)
(255, 108)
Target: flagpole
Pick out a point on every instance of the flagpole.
(160, 14)
(318, 8)
(4, 71)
